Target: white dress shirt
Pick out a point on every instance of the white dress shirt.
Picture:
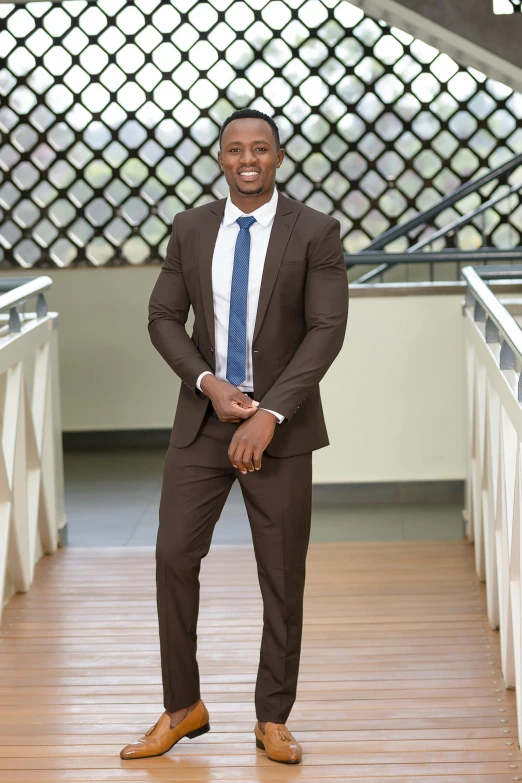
(222, 267)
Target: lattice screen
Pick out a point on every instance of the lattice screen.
(507, 6)
(111, 110)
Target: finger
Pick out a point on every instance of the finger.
(237, 459)
(244, 413)
(247, 459)
(237, 411)
(230, 415)
(240, 457)
(258, 453)
(245, 401)
(232, 452)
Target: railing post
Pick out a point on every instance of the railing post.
(507, 357)
(492, 335)
(14, 324)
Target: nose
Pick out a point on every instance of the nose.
(248, 157)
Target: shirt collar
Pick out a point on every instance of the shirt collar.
(263, 215)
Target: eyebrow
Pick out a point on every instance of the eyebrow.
(259, 141)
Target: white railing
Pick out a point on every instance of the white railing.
(494, 487)
(31, 460)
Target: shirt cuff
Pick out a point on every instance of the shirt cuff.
(280, 419)
(198, 382)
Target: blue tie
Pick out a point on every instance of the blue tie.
(237, 322)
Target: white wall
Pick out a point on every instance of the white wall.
(112, 378)
(394, 399)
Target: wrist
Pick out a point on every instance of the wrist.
(269, 415)
(208, 384)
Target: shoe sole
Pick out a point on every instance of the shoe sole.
(190, 735)
(198, 732)
(261, 746)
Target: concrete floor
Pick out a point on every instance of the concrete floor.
(112, 499)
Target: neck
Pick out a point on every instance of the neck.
(248, 204)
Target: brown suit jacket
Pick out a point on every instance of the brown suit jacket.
(299, 329)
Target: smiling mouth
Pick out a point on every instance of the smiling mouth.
(248, 175)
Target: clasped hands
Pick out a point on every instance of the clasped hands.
(255, 433)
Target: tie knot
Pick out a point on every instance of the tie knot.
(245, 222)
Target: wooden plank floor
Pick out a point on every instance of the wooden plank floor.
(400, 674)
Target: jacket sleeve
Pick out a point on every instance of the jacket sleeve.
(169, 306)
(326, 313)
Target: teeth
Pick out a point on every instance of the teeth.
(248, 173)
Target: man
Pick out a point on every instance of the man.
(266, 278)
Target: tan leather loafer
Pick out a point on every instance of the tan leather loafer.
(161, 738)
(278, 743)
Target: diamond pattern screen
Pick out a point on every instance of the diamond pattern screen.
(110, 114)
(507, 6)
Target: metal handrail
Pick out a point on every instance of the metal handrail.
(20, 289)
(450, 254)
(464, 219)
(447, 201)
(500, 273)
(427, 216)
(455, 255)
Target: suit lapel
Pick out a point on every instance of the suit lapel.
(284, 220)
(211, 220)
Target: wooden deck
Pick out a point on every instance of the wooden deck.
(400, 674)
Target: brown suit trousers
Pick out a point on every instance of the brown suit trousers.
(300, 326)
(196, 483)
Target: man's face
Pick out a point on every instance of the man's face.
(248, 156)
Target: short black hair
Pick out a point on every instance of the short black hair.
(242, 114)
